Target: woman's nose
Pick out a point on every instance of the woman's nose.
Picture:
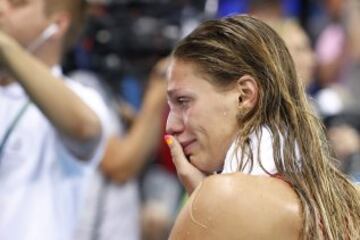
(174, 124)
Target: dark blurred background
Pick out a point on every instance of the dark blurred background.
(124, 38)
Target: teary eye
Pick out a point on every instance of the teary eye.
(183, 101)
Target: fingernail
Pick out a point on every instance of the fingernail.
(168, 140)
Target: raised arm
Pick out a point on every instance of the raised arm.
(125, 156)
(64, 109)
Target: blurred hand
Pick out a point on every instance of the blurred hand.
(156, 91)
(126, 112)
(158, 73)
(188, 174)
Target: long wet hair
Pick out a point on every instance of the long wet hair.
(224, 50)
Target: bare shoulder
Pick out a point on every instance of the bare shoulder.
(238, 206)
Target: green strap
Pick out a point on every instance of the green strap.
(12, 126)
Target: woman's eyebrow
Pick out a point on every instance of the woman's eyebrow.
(171, 92)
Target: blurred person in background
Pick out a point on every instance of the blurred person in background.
(123, 62)
(299, 45)
(112, 209)
(331, 44)
(343, 137)
(337, 55)
(343, 130)
(52, 129)
(296, 39)
(352, 69)
(278, 180)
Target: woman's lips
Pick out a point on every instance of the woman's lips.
(187, 146)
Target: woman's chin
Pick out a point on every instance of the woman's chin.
(203, 165)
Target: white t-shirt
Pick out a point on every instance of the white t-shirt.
(41, 183)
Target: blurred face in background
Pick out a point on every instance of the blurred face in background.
(298, 44)
(202, 116)
(345, 141)
(24, 20)
(334, 7)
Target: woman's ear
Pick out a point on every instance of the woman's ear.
(248, 92)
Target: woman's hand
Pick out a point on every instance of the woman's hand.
(188, 174)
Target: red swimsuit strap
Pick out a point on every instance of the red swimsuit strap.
(281, 177)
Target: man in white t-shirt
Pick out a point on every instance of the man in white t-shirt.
(51, 128)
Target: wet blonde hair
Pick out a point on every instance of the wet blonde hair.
(224, 50)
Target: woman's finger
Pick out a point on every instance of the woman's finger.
(188, 174)
(177, 153)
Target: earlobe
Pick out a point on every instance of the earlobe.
(248, 91)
